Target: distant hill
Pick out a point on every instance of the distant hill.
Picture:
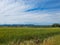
(29, 25)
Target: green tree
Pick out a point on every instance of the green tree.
(56, 25)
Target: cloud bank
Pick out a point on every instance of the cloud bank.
(29, 11)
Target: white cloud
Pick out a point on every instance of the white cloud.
(13, 13)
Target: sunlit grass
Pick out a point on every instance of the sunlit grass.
(13, 34)
(55, 40)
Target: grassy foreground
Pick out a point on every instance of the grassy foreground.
(55, 40)
(9, 34)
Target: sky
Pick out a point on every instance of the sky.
(40, 12)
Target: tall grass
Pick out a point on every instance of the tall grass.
(55, 40)
(10, 34)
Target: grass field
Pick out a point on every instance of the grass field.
(52, 40)
(16, 35)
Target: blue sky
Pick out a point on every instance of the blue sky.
(40, 12)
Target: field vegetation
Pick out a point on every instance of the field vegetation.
(17, 35)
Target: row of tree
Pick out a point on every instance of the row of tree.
(30, 25)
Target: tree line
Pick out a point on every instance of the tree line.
(30, 25)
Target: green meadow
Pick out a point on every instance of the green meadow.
(16, 35)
